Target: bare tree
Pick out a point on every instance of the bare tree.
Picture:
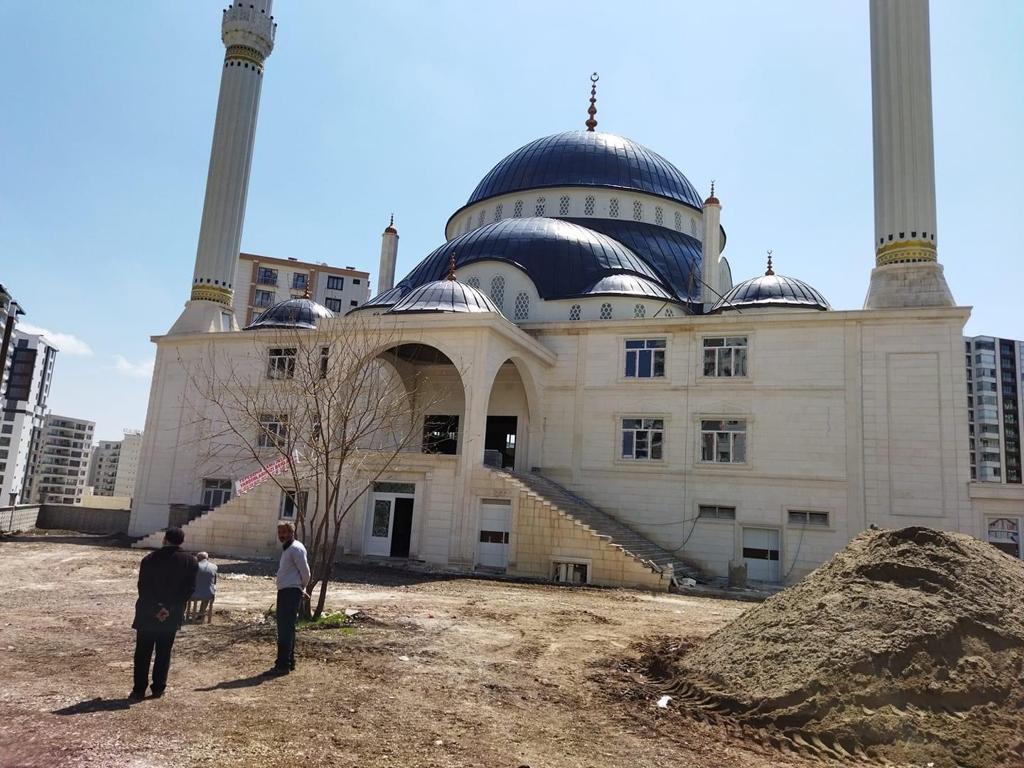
(324, 412)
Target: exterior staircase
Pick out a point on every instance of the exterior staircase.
(604, 525)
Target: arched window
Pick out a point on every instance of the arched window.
(522, 307)
(638, 211)
(480, 219)
(606, 311)
(1004, 534)
(498, 209)
(473, 282)
(639, 311)
(540, 207)
(659, 216)
(613, 208)
(588, 205)
(574, 312)
(693, 227)
(679, 222)
(517, 210)
(563, 206)
(498, 290)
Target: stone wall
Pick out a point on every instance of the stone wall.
(75, 517)
(22, 518)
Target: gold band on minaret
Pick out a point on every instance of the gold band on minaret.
(217, 293)
(245, 53)
(905, 252)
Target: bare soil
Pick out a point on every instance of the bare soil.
(907, 647)
(434, 672)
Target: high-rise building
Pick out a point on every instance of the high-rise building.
(60, 460)
(114, 464)
(261, 282)
(29, 370)
(10, 310)
(995, 383)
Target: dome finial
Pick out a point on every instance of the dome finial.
(451, 267)
(305, 293)
(711, 198)
(769, 271)
(591, 122)
(391, 226)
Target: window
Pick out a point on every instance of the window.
(642, 439)
(263, 298)
(292, 501)
(273, 430)
(473, 282)
(281, 363)
(336, 283)
(517, 209)
(266, 276)
(638, 211)
(333, 304)
(574, 312)
(498, 210)
(480, 219)
(715, 512)
(588, 205)
(659, 216)
(540, 207)
(679, 221)
(800, 517)
(693, 227)
(441, 434)
(613, 208)
(1004, 534)
(569, 573)
(522, 306)
(723, 441)
(216, 491)
(389, 487)
(645, 358)
(7, 429)
(725, 356)
(498, 290)
(639, 311)
(300, 280)
(356, 281)
(353, 303)
(606, 311)
(563, 205)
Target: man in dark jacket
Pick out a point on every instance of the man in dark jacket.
(167, 579)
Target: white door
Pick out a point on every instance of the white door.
(495, 517)
(761, 553)
(378, 528)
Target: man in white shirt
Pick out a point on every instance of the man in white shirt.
(292, 578)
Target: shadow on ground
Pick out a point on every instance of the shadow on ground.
(99, 704)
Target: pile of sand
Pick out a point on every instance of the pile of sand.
(907, 646)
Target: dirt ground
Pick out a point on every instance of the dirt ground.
(435, 672)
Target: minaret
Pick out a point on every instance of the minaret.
(711, 249)
(907, 272)
(248, 34)
(388, 258)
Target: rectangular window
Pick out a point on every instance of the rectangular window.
(333, 304)
(354, 303)
(642, 439)
(441, 434)
(801, 517)
(266, 276)
(292, 501)
(281, 364)
(356, 281)
(335, 283)
(273, 430)
(7, 429)
(723, 441)
(569, 573)
(725, 356)
(645, 358)
(392, 487)
(216, 491)
(714, 512)
(263, 298)
(300, 280)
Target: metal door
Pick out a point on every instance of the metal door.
(761, 553)
(495, 517)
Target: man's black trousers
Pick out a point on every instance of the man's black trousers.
(287, 613)
(145, 644)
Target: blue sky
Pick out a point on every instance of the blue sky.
(374, 107)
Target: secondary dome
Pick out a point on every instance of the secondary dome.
(445, 296)
(587, 159)
(292, 313)
(772, 291)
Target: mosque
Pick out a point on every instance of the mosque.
(617, 409)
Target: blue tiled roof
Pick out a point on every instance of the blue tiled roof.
(582, 158)
(565, 259)
(772, 291)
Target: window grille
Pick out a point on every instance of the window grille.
(517, 210)
(563, 206)
(659, 216)
(638, 211)
(498, 290)
(473, 282)
(574, 312)
(613, 208)
(693, 227)
(498, 210)
(522, 307)
(679, 222)
(639, 311)
(540, 207)
(480, 219)
(588, 206)
(606, 311)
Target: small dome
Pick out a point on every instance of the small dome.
(293, 313)
(445, 296)
(772, 291)
(628, 285)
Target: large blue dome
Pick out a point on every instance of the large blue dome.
(587, 159)
(567, 260)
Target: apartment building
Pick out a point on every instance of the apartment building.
(114, 465)
(23, 399)
(60, 459)
(10, 311)
(995, 384)
(262, 281)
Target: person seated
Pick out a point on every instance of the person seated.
(206, 588)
